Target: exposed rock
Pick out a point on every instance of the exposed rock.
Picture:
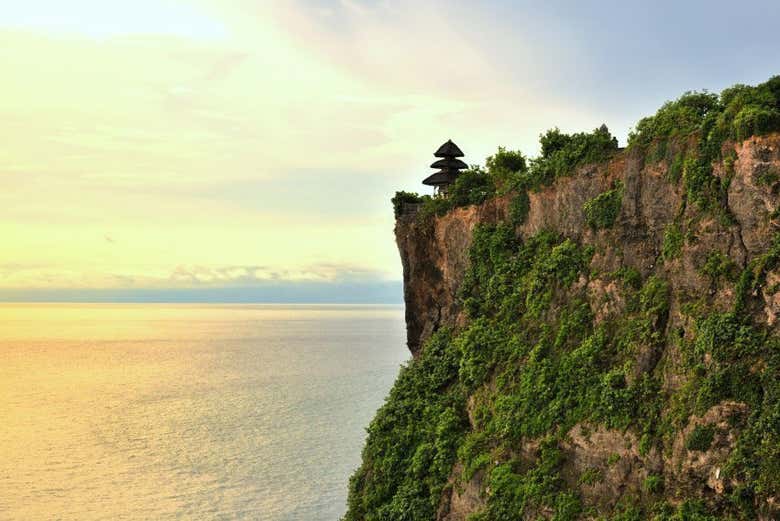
(752, 195)
(700, 469)
(605, 298)
(434, 254)
(612, 462)
(461, 499)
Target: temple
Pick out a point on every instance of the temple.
(449, 168)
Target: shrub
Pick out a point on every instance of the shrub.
(700, 438)
(505, 168)
(675, 118)
(412, 441)
(433, 206)
(530, 363)
(562, 153)
(519, 208)
(693, 510)
(401, 198)
(673, 242)
(676, 167)
(754, 275)
(629, 276)
(603, 210)
(753, 120)
(756, 459)
(474, 453)
(653, 484)
(591, 476)
(738, 113)
(513, 490)
(726, 338)
(701, 186)
(473, 186)
(553, 141)
(719, 265)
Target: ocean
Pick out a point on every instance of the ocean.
(203, 412)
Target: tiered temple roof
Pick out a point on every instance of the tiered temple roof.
(449, 166)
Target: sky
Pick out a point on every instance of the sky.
(248, 150)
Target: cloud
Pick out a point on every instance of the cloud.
(37, 276)
(254, 275)
(320, 283)
(18, 275)
(240, 142)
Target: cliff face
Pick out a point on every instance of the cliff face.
(658, 235)
(599, 343)
(435, 256)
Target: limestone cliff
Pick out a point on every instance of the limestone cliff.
(435, 257)
(611, 354)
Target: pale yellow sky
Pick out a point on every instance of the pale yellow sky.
(145, 139)
(160, 143)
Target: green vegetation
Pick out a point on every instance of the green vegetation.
(720, 265)
(653, 484)
(701, 187)
(673, 242)
(679, 118)
(519, 208)
(738, 113)
(505, 173)
(591, 476)
(506, 167)
(412, 440)
(473, 186)
(402, 198)
(676, 168)
(515, 489)
(690, 510)
(563, 153)
(602, 211)
(700, 438)
(709, 120)
(508, 171)
(732, 359)
(536, 366)
(500, 394)
(754, 276)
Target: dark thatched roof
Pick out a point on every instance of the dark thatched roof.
(449, 162)
(449, 149)
(442, 177)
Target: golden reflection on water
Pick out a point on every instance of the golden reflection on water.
(187, 412)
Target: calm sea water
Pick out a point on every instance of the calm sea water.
(161, 412)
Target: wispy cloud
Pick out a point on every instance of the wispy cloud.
(211, 142)
(15, 275)
(258, 275)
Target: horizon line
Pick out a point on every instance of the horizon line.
(389, 292)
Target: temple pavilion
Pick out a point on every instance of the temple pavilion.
(449, 167)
